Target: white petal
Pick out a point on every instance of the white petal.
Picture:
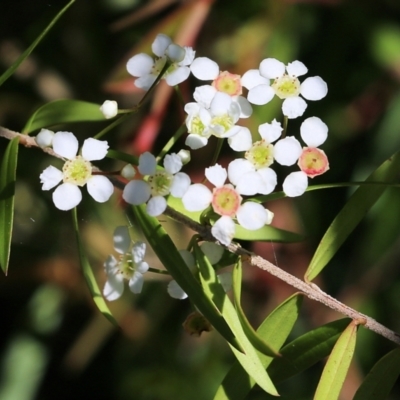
(94, 149)
(189, 56)
(261, 94)
(156, 206)
(138, 252)
(296, 68)
(122, 239)
(253, 78)
(175, 291)
(114, 287)
(250, 184)
(213, 251)
(67, 196)
(195, 141)
(314, 88)
(185, 156)
(65, 144)
(110, 265)
(237, 168)
(50, 177)
(197, 198)
(252, 216)
(230, 132)
(178, 76)
(287, 151)
(136, 283)
(109, 109)
(147, 164)
(245, 107)
(220, 103)
(175, 53)
(160, 44)
(270, 179)
(224, 230)
(270, 132)
(313, 131)
(44, 138)
(242, 140)
(145, 81)
(293, 107)
(295, 184)
(225, 279)
(142, 267)
(204, 95)
(100, 188)
(136, 192)
(180, 184)
(271, 68)
(172, 163)
(216, 175)
(204, 69)
(140, 65)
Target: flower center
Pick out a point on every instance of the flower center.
(158, 65)
(313, 161)
(261, 154)
(196, 126)
(221, 124)
(160, 183)
(226, 200)
(125, 267)
(286, 86)
(77, 171)
(228, 83)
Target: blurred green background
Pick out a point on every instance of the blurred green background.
(54, 344)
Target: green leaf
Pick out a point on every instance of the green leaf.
(256, 340)
(61, 112)
(7, 193)
(89, 276)
(29, 50)
(306, 350)
(338, 363)
(351, 215)
(248, 359)
(169, 256)
(274, 330)
(381, 379)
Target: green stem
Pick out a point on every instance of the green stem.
(175, 137)
(217, 152)
(285, 125)
(113, 125)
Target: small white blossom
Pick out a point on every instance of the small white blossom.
(226, 200)
(146, 69)
(109, 109)
(129, 266)
(128, 172)
(159, 183)
(286, 85)
(77, 171)
(44, 138)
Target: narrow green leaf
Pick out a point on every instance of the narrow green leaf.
(274, 330)
(61, 112)
(29, 50)
(306, 350)
(256, 340)
(381, 379)
(169, 256)
(8, 170)
(352, 214)
(119, 155)
(89, 275)
(338, 363)
(248, 359)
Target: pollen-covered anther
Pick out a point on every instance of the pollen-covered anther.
(313, 161)
(226, 200)
(286, 86)
(224, 121)
(261, 154)
(228, 83)
(160, 183)
(77, 171)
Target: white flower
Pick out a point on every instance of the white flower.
(159, 184)
(44, 138)
(109, 109)
(311, 160)
(147, 69)
(205, 69)
(213, 113)
(77, 171)
(286, 86)
(129, 266)
(227, 202)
